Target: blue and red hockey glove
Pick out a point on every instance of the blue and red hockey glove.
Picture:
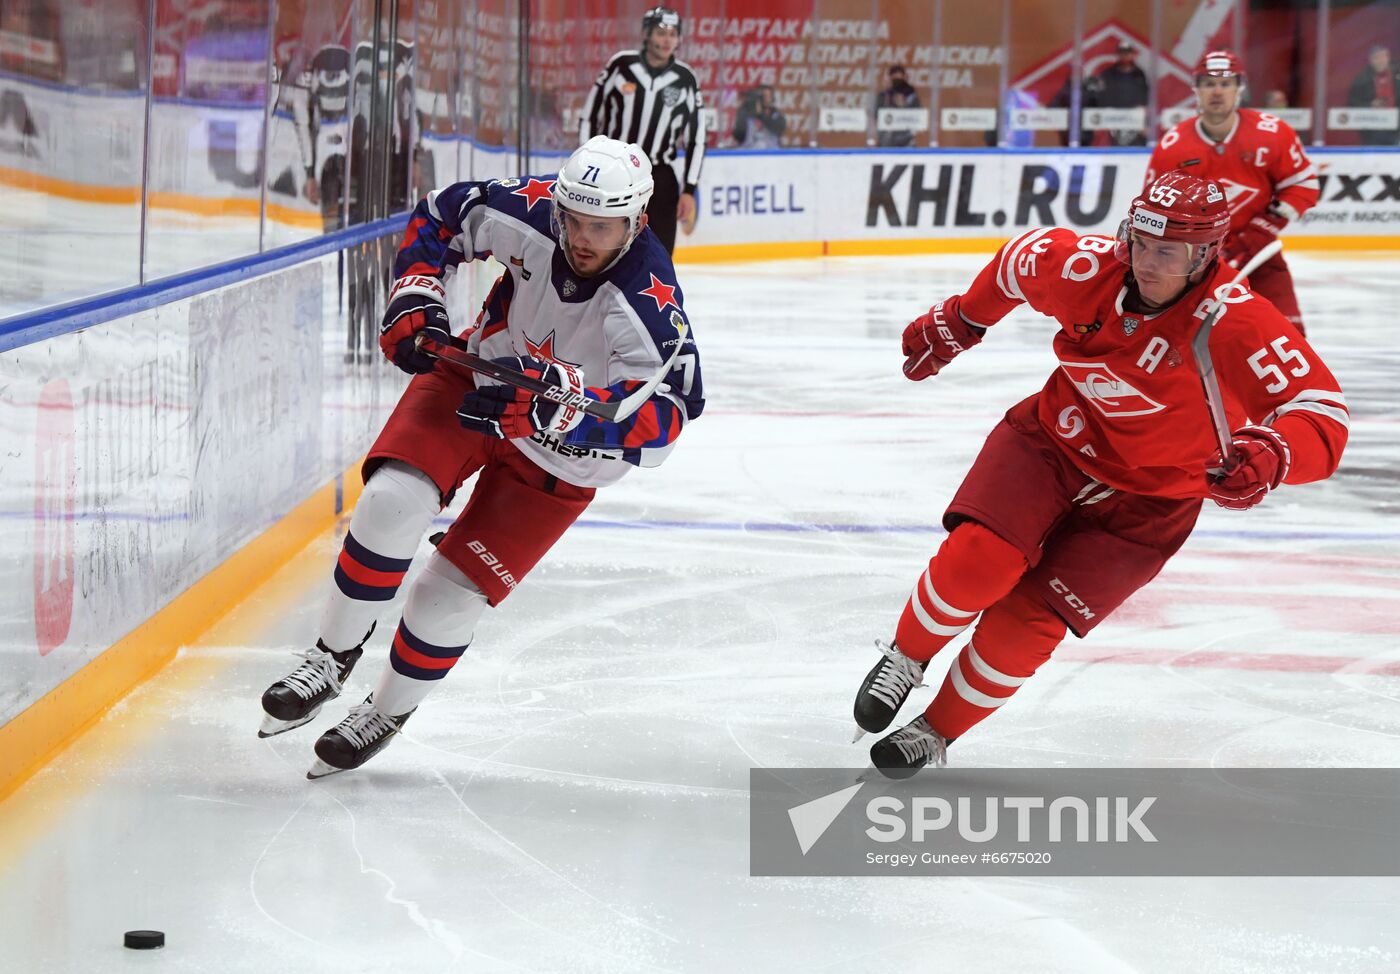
(415, 306)
(507, 413)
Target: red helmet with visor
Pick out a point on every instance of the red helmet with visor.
(1177, 207)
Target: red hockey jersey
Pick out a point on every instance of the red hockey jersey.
(1261, 161)
(1126, 402)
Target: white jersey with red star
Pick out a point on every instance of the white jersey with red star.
(1258, 163)
(619, 326)
(1126, 402)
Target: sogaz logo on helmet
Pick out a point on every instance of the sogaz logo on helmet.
(1153, 223)
(581, 198)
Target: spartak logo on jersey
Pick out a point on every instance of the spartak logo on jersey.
(1237, 195)
(1110, 394)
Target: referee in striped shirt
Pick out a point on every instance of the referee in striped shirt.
(650, 98)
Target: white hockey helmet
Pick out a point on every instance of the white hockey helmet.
(604, 177)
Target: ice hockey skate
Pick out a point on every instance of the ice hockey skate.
(903, 753)
(299, 696)
(886, 687)
(360, 736)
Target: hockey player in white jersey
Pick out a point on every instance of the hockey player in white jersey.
(589, 303)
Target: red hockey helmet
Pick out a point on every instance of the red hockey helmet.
(1220, 64)
(1177, 207)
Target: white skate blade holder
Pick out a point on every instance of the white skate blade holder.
(271, 726)
(322, 770)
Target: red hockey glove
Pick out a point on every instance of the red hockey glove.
(1251, 238)
(933, 340)
(506, 413)
(415, 305)
(1263, 461)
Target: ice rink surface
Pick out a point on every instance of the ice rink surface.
(573, 797)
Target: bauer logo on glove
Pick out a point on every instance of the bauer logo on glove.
(508, 413)
(415, 309)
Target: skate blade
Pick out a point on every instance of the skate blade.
(860, 732)
(322, 770)
(271, 726)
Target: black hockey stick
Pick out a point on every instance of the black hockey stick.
(1200, 348)
(613, 412)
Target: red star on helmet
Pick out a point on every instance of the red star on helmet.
(535, 190)
(662, 294)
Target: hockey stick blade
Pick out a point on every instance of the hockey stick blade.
(1205, 367)
(612, 412)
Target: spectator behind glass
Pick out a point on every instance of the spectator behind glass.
(899, 93)
(1120, 85)
(1275, 98)
(758, 124)
(1376, 87)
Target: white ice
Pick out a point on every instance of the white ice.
(573, 797)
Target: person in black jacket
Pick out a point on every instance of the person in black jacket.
(758, 124)
(1376, 87)
(898, 94)
(1120, 85)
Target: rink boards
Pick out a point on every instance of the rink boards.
(798, 203)
(141, 454)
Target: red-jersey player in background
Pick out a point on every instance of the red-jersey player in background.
(1084, 490)
(1257, 159)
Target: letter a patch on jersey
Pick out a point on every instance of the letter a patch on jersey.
(1109, 394)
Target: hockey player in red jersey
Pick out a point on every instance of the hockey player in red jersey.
(587, 293)
(1084, 490)
(1259, 162)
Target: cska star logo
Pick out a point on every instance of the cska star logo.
(535, 190)
(544, 351)
(663, 294)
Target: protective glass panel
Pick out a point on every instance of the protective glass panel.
(72, 127)
(907, 73)
(436, 82)
(1117, 66)
(842, 51)
(204, 179)
(495, 43)
(309, 128)
(1281, 44)
(1361, 59)
(969, 71)
(567, 49)
(1041, 95)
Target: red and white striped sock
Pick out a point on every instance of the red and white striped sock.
(974, 568)
(1012, 640)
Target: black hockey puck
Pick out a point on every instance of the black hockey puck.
(144, 939)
